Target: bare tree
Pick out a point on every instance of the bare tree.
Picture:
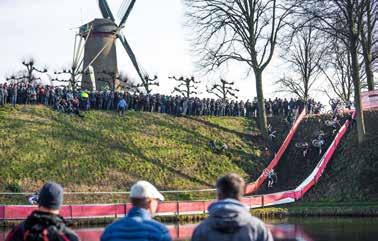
(368, 40)
(223, 89)
(18, 77)
(339, 72)
(127, 84)
(73, 73)
(343, 20)
(30, 72)
(186, 86)
(239, 30)
(306, 55)
(147, 83)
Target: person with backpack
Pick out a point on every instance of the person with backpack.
(45, 223)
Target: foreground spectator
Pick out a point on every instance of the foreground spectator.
(138, 224)
(228, 218)
(45, 223)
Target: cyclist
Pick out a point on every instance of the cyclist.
(33, 199)
(272, 178)
(304, 146)
(319, 142)
(272, 137)
(334, 104)
(271, 132)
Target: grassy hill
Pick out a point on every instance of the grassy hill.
(104, 152)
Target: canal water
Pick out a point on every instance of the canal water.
(300, 229)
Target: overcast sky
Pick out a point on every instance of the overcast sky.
(45, 30)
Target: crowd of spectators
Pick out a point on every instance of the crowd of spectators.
(72, 101)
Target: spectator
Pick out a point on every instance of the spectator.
(1, 95)
(54, 96)
(122, 105)
(228, 218)
(138, 224)
(45, 223)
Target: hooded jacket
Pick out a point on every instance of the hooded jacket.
(230, 220)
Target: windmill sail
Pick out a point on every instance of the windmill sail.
(127, 12)
(131, 55)
(105, 10)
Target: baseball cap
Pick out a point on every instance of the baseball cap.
(51, 196)
(144, 189)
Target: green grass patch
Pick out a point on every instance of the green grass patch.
(104, 152)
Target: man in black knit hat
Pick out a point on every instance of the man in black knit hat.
(45, 223)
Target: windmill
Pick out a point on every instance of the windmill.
(99, 37)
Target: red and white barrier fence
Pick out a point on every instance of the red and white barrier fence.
(252, 187)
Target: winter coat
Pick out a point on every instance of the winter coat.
(230, 220)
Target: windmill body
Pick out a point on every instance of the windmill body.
(99, 52)
(100, 37)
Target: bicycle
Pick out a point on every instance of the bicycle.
(33, 199)
(304, 146)
(337, 108)
(319, 142)
(266, 172)
(332, 123)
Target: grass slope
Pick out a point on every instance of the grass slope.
(104, 152)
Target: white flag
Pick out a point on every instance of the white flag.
(92, 76)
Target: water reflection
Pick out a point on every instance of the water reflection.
(304, 229)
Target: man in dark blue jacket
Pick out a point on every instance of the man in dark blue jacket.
(228, 218)
(138, 224)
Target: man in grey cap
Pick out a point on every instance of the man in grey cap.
(45, 223)
(138, 224)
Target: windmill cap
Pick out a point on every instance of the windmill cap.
(144, 189)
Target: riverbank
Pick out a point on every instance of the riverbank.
(316, 209)
(320, 209)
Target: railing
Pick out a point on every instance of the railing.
(108, 197)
